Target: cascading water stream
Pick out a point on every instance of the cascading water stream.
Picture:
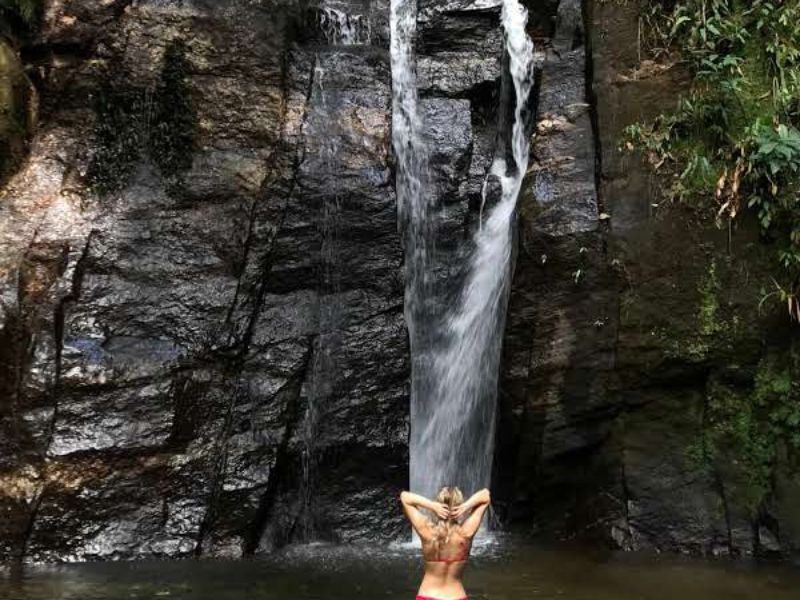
(326, 345)
(324, 133)
(454, 396)
(415, 210)
(411, 159)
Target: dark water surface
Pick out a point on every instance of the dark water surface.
(499, 571)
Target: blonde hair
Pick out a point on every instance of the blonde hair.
(451, 497)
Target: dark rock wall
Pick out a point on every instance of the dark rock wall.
(203, 343)
(202, 278)
(626, 314)
(554, 414)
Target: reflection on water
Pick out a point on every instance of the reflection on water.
(500, 571)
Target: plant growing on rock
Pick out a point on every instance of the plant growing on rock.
(732, 145)
(118, 136)
(18, 17)
(753, 431)
(172, 137)
(132, 121)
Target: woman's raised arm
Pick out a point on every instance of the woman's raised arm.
(476, 507)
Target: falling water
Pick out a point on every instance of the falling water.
(453, 422)
(343, 29)
(415, 209)
(411, 160)
(324, 134)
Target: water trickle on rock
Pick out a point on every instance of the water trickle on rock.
(343, 29)
(323, 158)
(454, 380)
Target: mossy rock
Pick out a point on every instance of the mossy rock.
(17, 111)
(133, 121)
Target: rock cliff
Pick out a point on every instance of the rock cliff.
(632, 320)
(203, 350)
(203, 343)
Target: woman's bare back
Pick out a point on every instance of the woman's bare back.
(446, 541)
(444, 566)
(455, 549)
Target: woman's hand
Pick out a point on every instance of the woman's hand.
(477, 506)
(477, 499)
(442, 511)
(460, 510)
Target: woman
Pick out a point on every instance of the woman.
(446, 542)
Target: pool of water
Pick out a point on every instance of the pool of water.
(503, 570)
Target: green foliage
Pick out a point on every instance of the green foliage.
(733, 142)
(712, 329)
(777, 396)
(751, 430)
(709, 302)
(18, 17)
(25, 10)
(778, 150)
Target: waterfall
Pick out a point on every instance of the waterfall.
(414, 207)
(343, 29)
(454, 385)
(324, 134)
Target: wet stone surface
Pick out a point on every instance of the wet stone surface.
(198, 345)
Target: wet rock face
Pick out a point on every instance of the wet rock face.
(458, 44)
(204, 348)
(558, 348)
(202, 278)
(622, 329)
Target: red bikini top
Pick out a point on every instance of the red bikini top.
(448, 560)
